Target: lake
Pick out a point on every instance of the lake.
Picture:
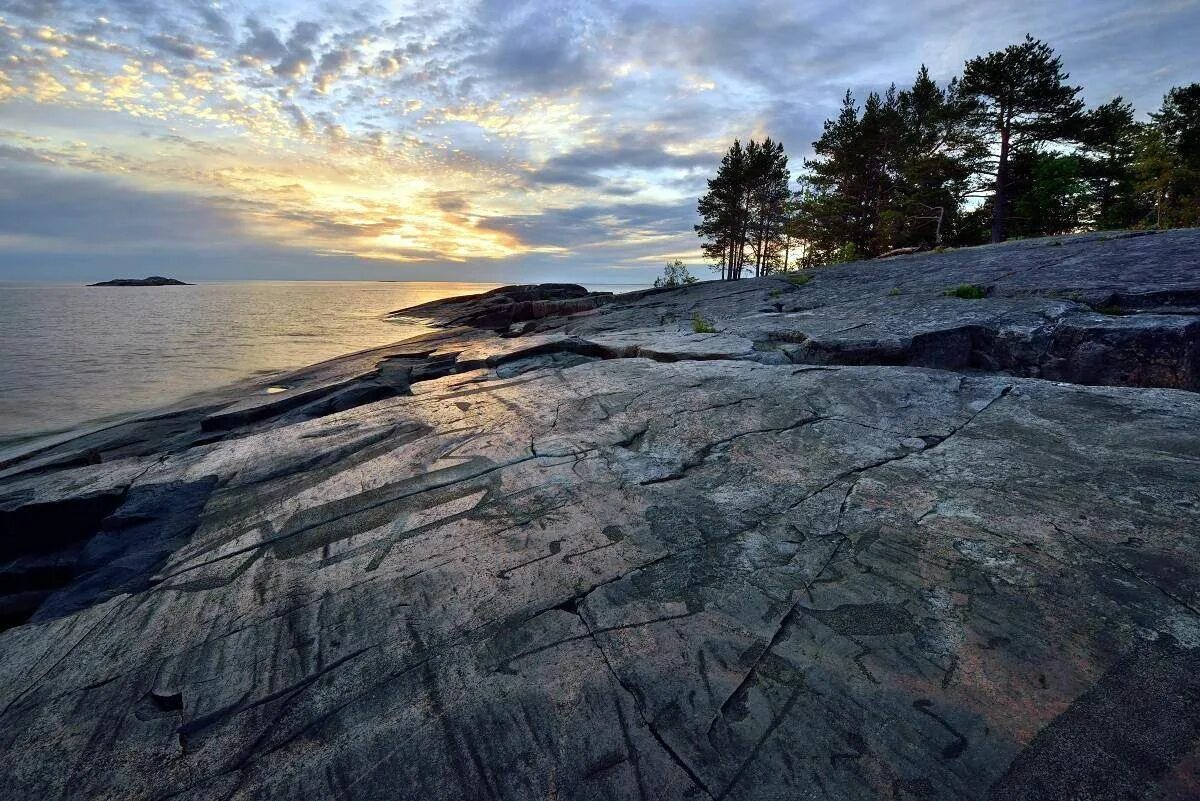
(72, 354)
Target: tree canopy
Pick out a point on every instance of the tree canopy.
(1017, 100)
(1008, 149)
(743, 214)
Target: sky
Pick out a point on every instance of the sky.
(481, 141)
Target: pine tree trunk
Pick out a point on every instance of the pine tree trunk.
(761, 261)
(742, 238)
(1000, 200)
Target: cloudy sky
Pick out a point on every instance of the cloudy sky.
(458, 140)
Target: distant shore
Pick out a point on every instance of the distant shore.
(153, 280)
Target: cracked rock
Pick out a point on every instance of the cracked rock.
(903, 546)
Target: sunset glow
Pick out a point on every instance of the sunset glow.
(462, 140)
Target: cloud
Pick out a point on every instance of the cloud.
(263, 43)
(303, 123)
(386, 64)
(331, 67)
(59, 226)
(451, 202)
(593, 224)
(178, 47)
(298, 55)
(89, 214)
(578, 167)
(34, 9)
(542, 48)
(214, 20)
(23, 154)
(543, 135)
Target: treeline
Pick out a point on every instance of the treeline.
(1006, 150)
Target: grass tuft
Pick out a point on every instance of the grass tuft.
(700, 325)
(799, 279)
(966, 292)
(895, 291)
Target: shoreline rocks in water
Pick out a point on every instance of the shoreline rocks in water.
(503, 306)
(867, 540)
(153, 280)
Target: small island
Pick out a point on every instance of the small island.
(153, 280)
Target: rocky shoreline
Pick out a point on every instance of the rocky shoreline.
(875, 537)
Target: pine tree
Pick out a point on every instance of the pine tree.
(939, 153)
(1170, 160)
(1179, 120)
(1021, 101)
(892, 176)
(832, 213)
(899, 171)
(1108, 143)
(769, 194)
(745, 208)
(879, 146)
(1049, 193)
(722, 211)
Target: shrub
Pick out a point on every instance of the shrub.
(799, 279)
(700, 325)
(845, 253)
(675, 274)
(895, 291)
(966, 292)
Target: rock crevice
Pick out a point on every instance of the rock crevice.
(859, 543)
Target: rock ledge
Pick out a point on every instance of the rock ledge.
(865, 541)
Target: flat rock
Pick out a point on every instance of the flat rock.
(614, 558)
(666, 345)
(1110, 309)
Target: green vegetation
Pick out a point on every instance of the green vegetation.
(905, 167)
(846, 253)
(799, 279)
(675, 274)
(774, 293)
(895, 291)
(966, 292)
(700, 325)
(1111, 309)
(744, 214)
(1016, 101)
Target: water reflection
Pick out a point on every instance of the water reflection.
(70, 354)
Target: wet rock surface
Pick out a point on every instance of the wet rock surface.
(598, 555)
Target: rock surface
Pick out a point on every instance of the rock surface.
(854, 545)
(506, 305)
(153, 280)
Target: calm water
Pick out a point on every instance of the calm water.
(72, 354)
